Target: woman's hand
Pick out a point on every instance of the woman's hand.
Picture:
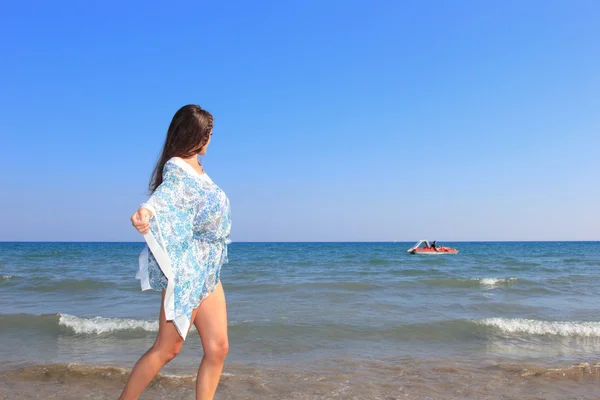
(141, 220)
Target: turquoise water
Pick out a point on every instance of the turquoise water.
(311, 303)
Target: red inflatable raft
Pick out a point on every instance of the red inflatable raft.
(430, 250)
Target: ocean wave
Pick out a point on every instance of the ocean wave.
(535, 327)
(494, 281)
(6, 277)
(65, 324)
(578, 372)
(99, 325)
(487, 283)
(44, 322)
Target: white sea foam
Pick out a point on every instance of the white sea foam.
(534, 327)
(99, 325)
(6, 277)
(494, 281)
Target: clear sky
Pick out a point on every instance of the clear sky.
(334, 120)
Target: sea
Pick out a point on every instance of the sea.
(498, 320)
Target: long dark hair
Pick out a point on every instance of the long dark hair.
(188, 133)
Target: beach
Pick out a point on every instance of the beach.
(500, 320)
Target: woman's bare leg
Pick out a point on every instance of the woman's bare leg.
(211, 323)
(166, 346)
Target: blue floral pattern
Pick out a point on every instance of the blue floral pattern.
(191, 222)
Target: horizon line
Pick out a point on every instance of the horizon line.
(309, 242)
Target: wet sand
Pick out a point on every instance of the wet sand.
(339, 379)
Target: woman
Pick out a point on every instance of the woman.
(186, 224)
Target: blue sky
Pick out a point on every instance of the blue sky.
(334, 120)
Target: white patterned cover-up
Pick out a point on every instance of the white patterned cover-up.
(187, 242)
